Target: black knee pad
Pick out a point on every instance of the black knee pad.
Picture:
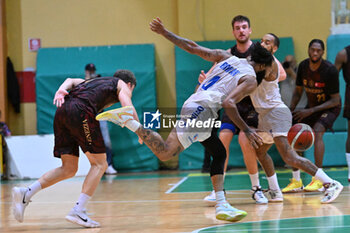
(218, 163)
(218, 152)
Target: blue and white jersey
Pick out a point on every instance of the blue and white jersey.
(221, 82)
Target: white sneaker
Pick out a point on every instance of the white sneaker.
(110, 170)
(332, 191)
(81, 219)
(211, 198)
(18, 202)
(258, 195)
(224, 211)
(118, 116)
(274, 195)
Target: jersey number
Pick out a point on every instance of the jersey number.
(210, 82)
(321, 97)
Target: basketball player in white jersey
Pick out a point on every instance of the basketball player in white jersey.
(275, 120)
(231, 79)
(270, 42)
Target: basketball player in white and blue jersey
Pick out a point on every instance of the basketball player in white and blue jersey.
(231, 80)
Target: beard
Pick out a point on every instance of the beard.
(243, 41)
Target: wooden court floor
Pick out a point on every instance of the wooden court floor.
(172, 202)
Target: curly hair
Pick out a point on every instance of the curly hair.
(260, 55)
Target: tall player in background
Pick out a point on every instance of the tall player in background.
(231, 79)
(75, 125)
(342, 62)
(319, 78)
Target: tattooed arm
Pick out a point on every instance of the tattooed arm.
(213, 55)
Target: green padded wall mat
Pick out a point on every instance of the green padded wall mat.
(334, 154)
(335, 43)
(54, 65)
(188, 67)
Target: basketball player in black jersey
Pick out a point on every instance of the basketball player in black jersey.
(319, 79)
(342, 62)
(75, 125)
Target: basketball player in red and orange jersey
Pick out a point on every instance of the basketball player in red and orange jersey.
(75, 125)
(342, 61)
(319, 79)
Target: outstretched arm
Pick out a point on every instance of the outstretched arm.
(213, 55)
(62, 91)
(124, 97)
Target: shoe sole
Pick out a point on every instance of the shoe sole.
(276, 200)
(79, 222)
(110, 114)
(299, 190)
(312, 190)
(335, 196)
(227, 217)
(16, 198)
(261, 203)
(210, 202)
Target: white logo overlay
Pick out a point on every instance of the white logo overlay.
(152, 120)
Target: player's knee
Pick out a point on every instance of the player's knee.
(318, 137)
(260, 156)
(218, 163)
(243, 140)
(69, 170)
(102, 165)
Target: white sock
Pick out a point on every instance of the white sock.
(220, 197)
(322, 176)
(273, 183)
(348, 160)
(254, 179)
(82, 201)
(133, 125)
(32, 189)
(296, 175)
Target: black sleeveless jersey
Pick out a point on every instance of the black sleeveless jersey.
(97, 92)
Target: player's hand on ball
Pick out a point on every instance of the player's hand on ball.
(157, 26)
(59, 97)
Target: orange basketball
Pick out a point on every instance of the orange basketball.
(301, 137)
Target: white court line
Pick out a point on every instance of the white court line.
(271, 220)
(136, 201)
(275, 229)
(147, 201)
(176, 185)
